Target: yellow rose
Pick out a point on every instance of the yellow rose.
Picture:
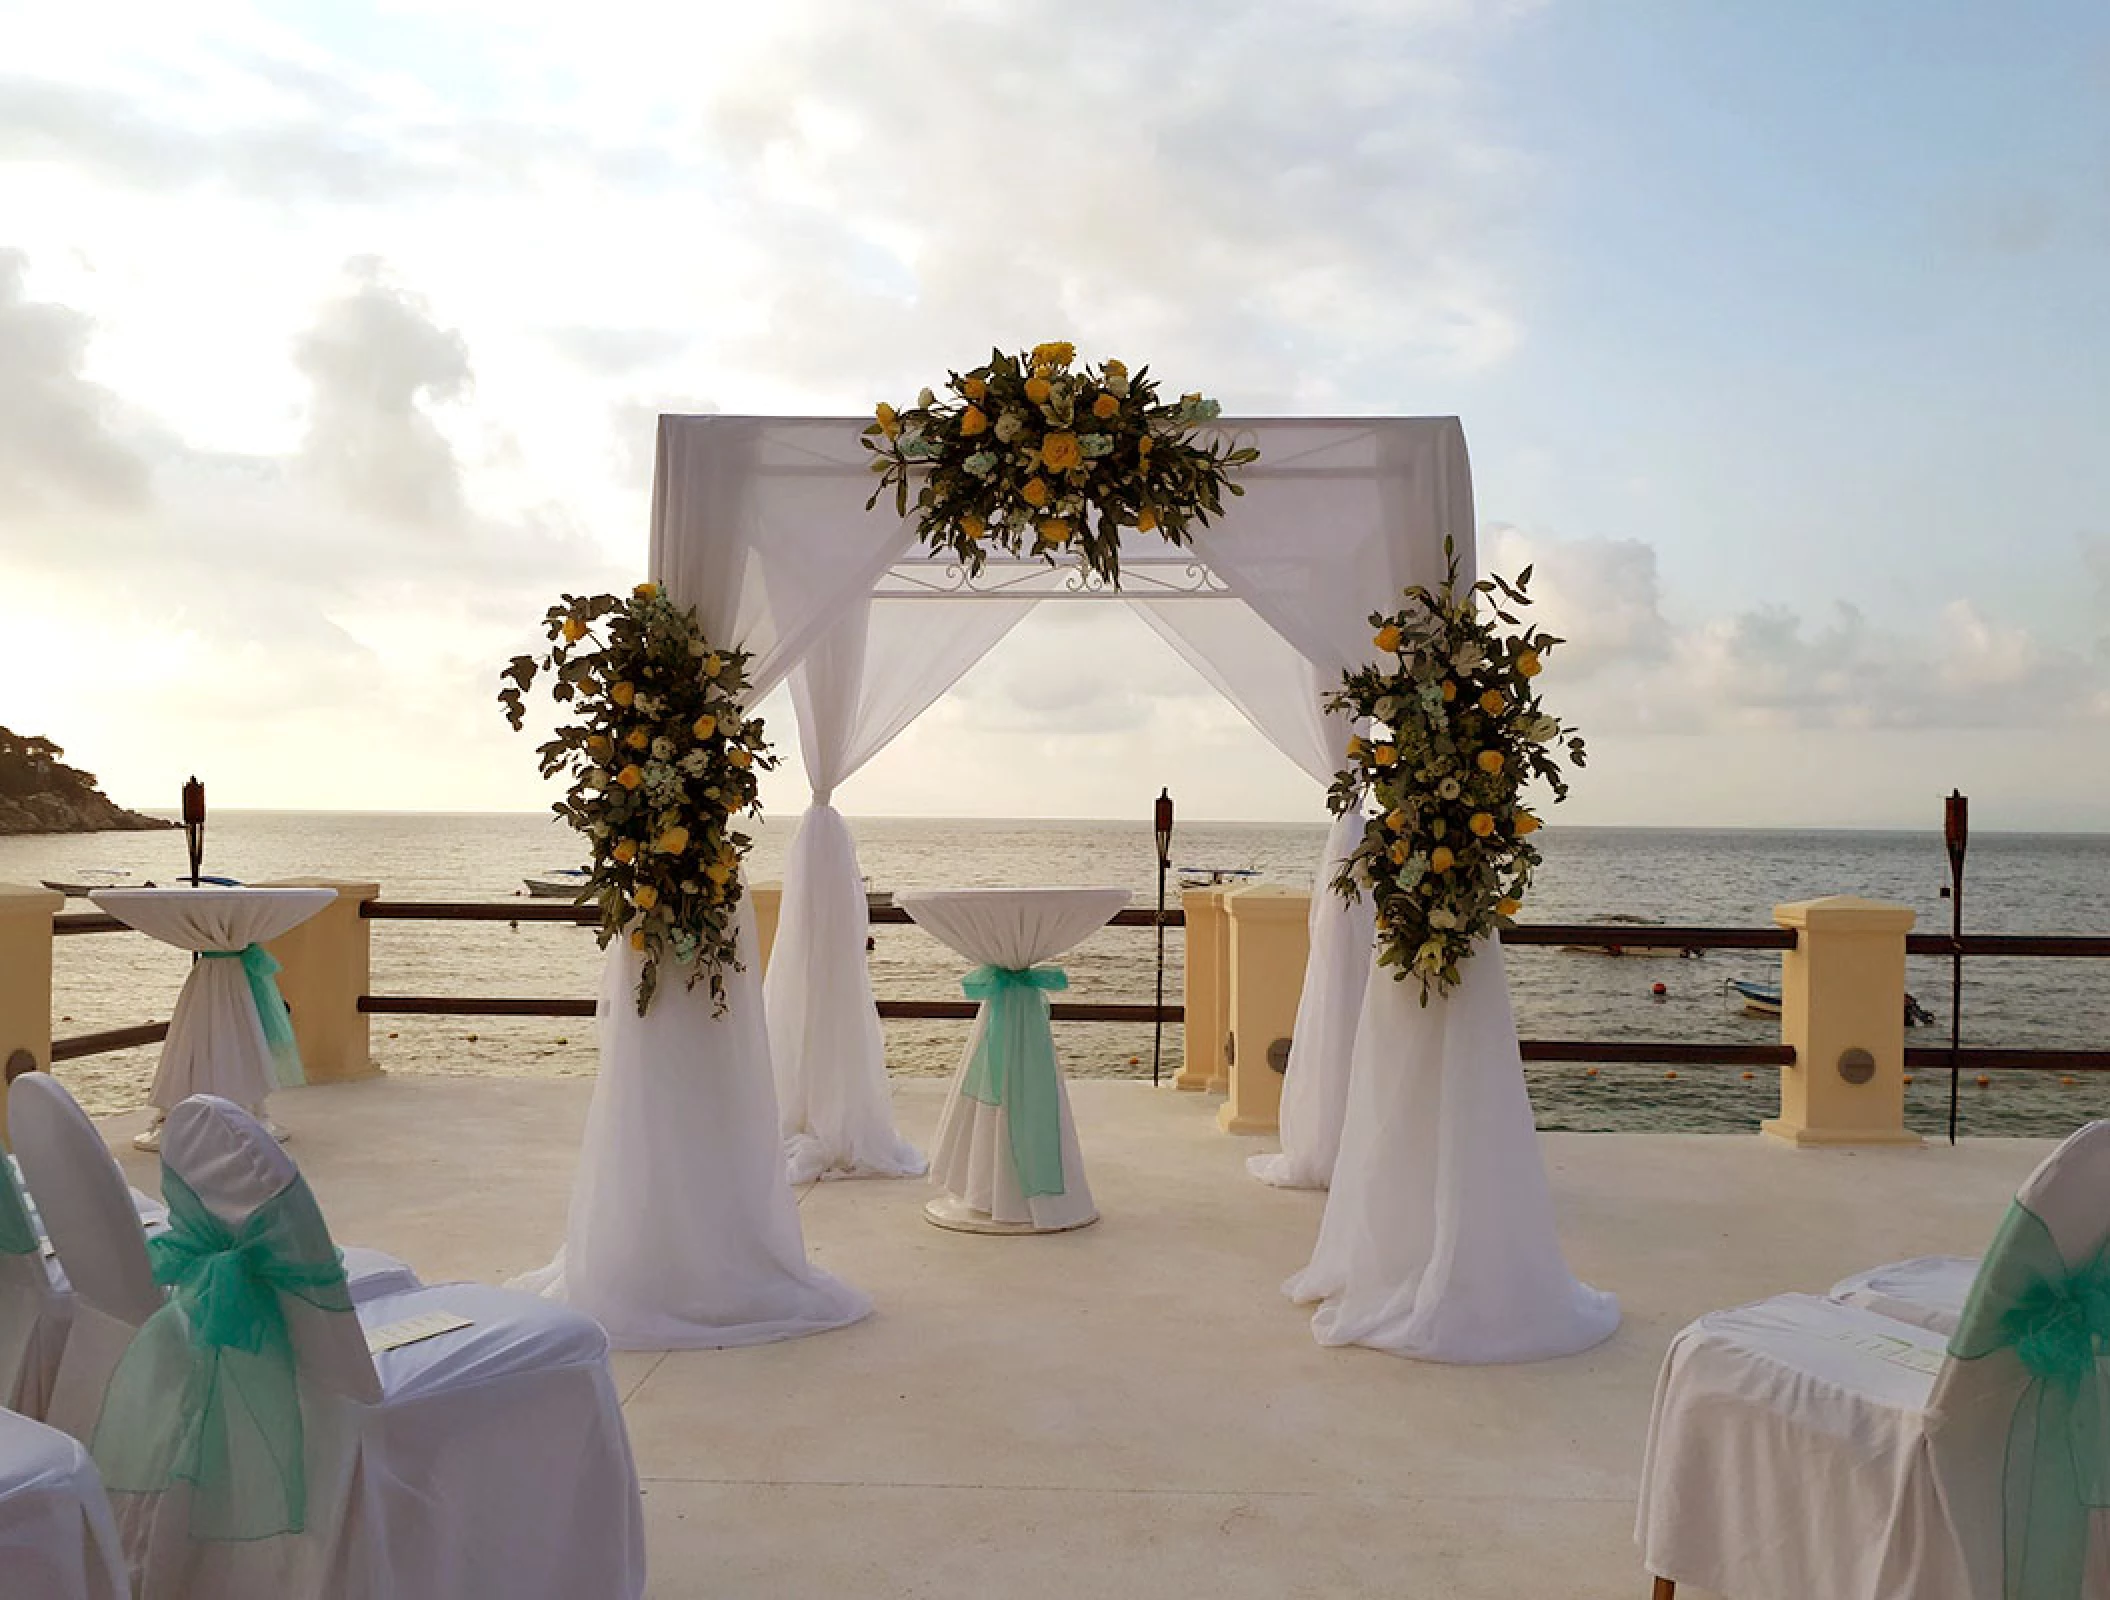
(1146, 520)
(1056, 353)
(622, 693)
(1356, 747)
(1060, 451)
(1035, 493)
(625, 851)
(704, 726)
(574, 629)
(713, 664)
(1526, 823)
(973, 388)
(646, 897)
(1038, 389)
(673, 841)
(1506, 907)
(637, 939)
(973, 421)
(646, 591)
(1055, 531)
(1482, 824)
(1398, 853)
(630, 777)
(1388, 639)
(738, 757)
(974, 527)
(1384, 755)
(1143, 445)
(1450, 691)
(718, 872)
(889, 422)
(1441, 859)
(1397, 821)
(1528, 664)
(637, 738)
(1105, 406)
(1492, 702)
(1490, 761)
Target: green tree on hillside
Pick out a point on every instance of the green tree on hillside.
(30, 765)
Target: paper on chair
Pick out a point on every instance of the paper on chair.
(1899, 1352)
(428, 1325)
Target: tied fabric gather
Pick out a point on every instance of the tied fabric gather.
(206, 1393)
(2057, 1472)
(261, 968)
(1014, 1067)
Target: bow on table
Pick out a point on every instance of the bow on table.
(1014, 1067)
(206, 1393)
(262, 968)
(2056, 1320)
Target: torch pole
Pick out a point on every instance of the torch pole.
(1956, 833)
(1163, 831)
(194, 827)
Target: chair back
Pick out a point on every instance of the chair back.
(25, 1290)
(233, 1165)
(83, 1198)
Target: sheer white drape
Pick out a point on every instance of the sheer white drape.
(683, 1229)
(868, 677)
(1280, 693)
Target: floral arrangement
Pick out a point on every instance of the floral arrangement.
(1455, 731)
(663, 761)
(1036, 455)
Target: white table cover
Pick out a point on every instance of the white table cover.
(1438, 1239)
(1928, 1291)
(215, 1041)
(1007, 928)
(57, 1538)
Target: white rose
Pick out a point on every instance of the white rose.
(1008, 426)
(925, 399)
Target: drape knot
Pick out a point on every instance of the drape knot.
(1014, 1067)
(262, 968)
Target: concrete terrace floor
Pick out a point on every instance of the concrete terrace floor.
(1133, 1409)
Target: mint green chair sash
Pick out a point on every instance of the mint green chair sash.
(2057, 1322)
(206, 1393)
(18, 1235)
(1014, 1067)
(262, 968)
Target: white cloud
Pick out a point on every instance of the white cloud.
(57, 442)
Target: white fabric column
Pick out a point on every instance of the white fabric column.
(1280, 693)
(869, 677)
(683, 1230)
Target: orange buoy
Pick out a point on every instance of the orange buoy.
(1670, 1074)
(1908, 1077)
(1135, 1061)
(1984, 1082)
(472, 1038)
(1591, 1073)
(1748, 1076)
(1659, 990)
(2069, 1082)
(391, 1036)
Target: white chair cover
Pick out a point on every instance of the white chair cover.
(57, 1539)
(1012, 928)
(683, 1230)
(490, 1460)
(1438, 1239)
(1927, 1291)
(215, 1043)
(1804, 1447)
(102, 1288)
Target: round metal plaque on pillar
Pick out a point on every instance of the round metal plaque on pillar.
(1856, 1065)
(20, 1061)
(1278, 1055)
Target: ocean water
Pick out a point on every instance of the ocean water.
(2055, 883)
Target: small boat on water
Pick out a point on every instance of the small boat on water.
(559, 883)
(92, 881)
(1612, 919)
(1214, 877)
(1763, 1000)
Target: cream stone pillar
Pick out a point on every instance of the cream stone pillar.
(25, 983)
(769, 906)
(1842, 1008)
(1205, 994)
(328, 964)
(1270, 943)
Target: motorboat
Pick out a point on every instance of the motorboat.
(1763, 1000)
(1214, 877)
(94, 881)
(559, 883)
(1615, 919)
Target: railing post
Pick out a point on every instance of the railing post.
(328, 964)
(768, 900)
(1842, 1011)
(1205, 993)
(25, 983)
(1270, 932)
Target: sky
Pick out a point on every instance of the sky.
(332, 336)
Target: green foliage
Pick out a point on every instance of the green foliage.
(1031, 455)
(31, 765)
(663, 760)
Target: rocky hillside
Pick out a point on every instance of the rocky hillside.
(39, 793)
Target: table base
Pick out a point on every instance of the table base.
(957, 1216)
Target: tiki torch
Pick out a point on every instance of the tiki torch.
(194, 826)
(1163, 825)
(1956, 833)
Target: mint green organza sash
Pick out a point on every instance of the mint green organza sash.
(18, 1236)
(2057, 1322)
(262, 968)
(1014, 1067)
(205, 1394)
